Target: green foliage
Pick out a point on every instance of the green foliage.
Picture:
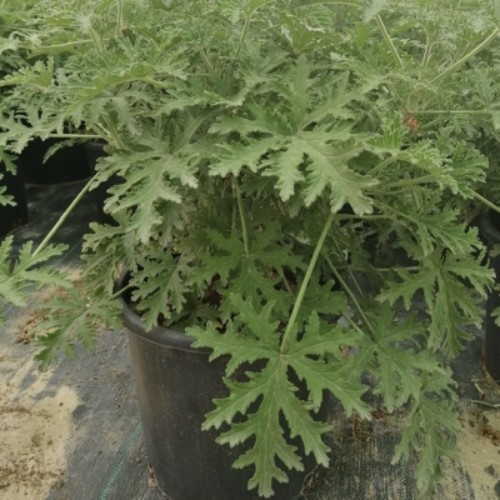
(253, 336)
(6, 161)
(274, 160)
(17, 278)
(399, 362)
(432, 422)
(70, 317)
(450, 286)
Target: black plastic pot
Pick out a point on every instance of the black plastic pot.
(12, 217)
(66, 165)
(176, 385)
(489, 226)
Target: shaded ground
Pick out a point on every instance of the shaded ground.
(74, 432)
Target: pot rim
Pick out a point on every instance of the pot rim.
(159, 335)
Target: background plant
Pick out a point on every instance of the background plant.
(276, 159)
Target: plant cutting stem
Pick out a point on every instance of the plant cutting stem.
(452, 112)
(486, 202)
(381, 165)
(242, 216)
(397, 212)
(285, 281)
(388, 40)
(63, 217)
(243, 35)
(467, 56)
(305, 283)
(113, 132)
(119, 17)
(428, 48)
(353, 324)
(97, 41)
(74, 136)
(54, 47)
(331, 2)
(347, 268)
(248, 19)
(346, 288)
(362, 217)
(408, 182)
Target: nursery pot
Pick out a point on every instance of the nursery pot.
(176, 385)
(65, 165)
(489, 226)
(12, 217)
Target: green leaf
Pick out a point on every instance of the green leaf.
(323, 300)
(400, 365)
(443, 229)
(288, 141)
(232, 158)
(72, 316)
(38, 76)
(451, 302)
(373, 9)
(431, 430)
(265, 393)
(328, 168)
(253, 275)
(160, 286)
(152, 178)
(286, 167)
(270, 444)
(17, 279)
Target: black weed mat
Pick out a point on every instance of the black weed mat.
(86, 411)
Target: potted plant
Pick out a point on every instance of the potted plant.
(275, 158)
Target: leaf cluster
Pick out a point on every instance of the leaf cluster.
(291, 176)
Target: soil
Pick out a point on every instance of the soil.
(35, 425)
(479, 446)
(23, 329)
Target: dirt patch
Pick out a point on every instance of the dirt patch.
(26, 327)
(25, 330)
(35, 430)
(479, 448)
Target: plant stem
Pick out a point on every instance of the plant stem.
(74, 136)
(388, 40)
(361, 217)
(97, 41)
(348, 269)
(63, 217)
(400, 214)
(119, 17)
(285, 282)
(453, 112)
(36, 48)
(305, 283)
(330, 2)
(486, 202)
(120, 292)
(247, 26)
(114, 133)
(349, 293)
(243, 35)
(428, 48)
(242, 216)
(467, 56)
(409, 182)
(381, 165)
(353, 324)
